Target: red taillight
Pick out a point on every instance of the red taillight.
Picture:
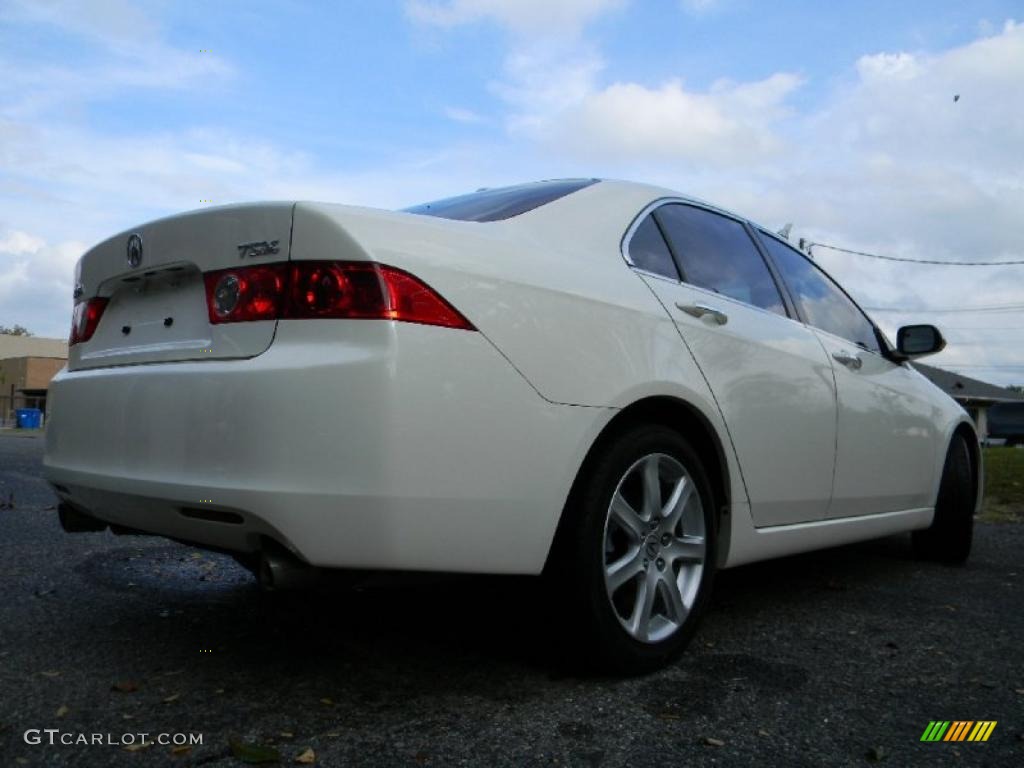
(242, 295)
(333, 289)
(326, 289)
(86, 317)
(415, 302)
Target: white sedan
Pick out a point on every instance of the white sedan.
(605, 382)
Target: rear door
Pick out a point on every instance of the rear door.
(152, 277)
(887, 430)
(769, 374)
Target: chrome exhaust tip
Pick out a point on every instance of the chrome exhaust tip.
(279, 571)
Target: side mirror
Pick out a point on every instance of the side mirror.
(919, 340)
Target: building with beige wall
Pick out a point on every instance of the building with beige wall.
(27, 363)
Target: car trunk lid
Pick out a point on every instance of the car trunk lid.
(156, 310)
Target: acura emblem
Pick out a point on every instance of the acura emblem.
(134, 250)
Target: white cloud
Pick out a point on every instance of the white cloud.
(36, 282)
(730, 125)
(551, 84)
(20, 243)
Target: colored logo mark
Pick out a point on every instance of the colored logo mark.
(958, 730)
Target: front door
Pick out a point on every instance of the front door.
(886, 436)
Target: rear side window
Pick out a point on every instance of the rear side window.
(715, 252)
(502, 202)
(822, 303)
(649, 252)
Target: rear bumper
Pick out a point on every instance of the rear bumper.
(353, 443)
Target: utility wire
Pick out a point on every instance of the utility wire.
(987, 367)
(985, 329)
(811, 246)
(912, 311)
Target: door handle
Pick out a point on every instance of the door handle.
(703, 310)
(853, 362)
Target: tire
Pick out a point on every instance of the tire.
(637, 623)
(948, 540)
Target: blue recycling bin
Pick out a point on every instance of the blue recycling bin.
(28, 418)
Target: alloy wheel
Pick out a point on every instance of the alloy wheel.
(654, 547)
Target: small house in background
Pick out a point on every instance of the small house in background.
(27, 363)
(975, 396)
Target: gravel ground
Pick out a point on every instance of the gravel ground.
(834, 658)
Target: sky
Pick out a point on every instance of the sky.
(839, 118)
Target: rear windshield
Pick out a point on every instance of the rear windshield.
(502, 202)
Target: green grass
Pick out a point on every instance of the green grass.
(1004, 485)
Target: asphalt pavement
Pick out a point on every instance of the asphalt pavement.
(833, 658)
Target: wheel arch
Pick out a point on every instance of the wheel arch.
(692, 424)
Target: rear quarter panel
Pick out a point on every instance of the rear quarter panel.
(549, 289)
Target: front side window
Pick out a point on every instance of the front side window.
(649, 252)
(715, 252)
(822, 303)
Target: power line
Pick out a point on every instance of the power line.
(987, 367)
(811, 246)
(986, 329)
(989, 344)
(911, 310)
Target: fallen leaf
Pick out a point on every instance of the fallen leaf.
(138, 747)
(21, 760)
(219, 690)
(668, 716)
(62, 710)
(173, 697)
(762, 732)
(181, 749)
(713, 742)
(307, 758)
(254, 753)
(286, 735)
(1020, 691)
(125, 686)
(50, 673)
(328, 702)
(128, 717)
